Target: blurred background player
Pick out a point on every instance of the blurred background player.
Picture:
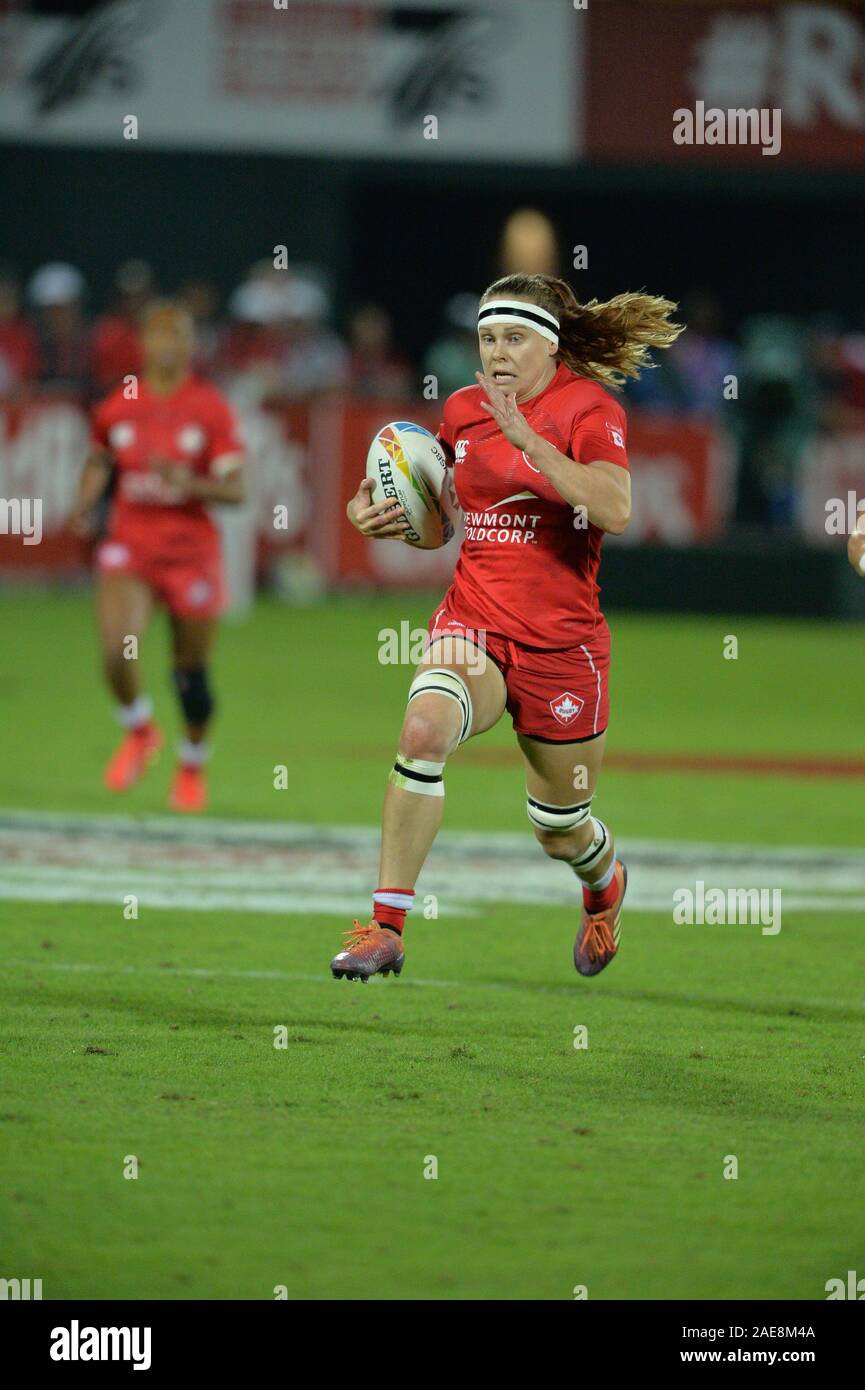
(173, 440)
(538, 491)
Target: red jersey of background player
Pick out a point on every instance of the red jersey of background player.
(192, 425)
(525, 569)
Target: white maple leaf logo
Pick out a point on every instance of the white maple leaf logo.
(566, 707)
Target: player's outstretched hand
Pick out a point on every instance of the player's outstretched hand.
(378, 520)
(502, 406)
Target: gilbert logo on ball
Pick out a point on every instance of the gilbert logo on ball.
(408, 466)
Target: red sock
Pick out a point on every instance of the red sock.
(390, 905)
(599, 900)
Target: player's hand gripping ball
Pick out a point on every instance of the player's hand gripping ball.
(856, 551)
(407, 464)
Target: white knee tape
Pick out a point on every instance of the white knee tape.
(418, 775)
(442, 681)
(593, 853)
(547, 817)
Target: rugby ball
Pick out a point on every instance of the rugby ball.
(407, 463)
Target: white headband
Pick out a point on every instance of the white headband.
(512, 311)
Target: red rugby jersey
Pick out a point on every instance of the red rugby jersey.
(193, 424)
(524, 569)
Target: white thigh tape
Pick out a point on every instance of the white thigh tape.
(442, 681)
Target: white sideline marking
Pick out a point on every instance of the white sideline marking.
(263, 867)
(325, 978)
(196, 972)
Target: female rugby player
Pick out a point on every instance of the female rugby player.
(540, 469)
(174, 442)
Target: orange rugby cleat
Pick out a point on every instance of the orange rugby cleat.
(133, 757)
(188, 789)
(369, 950)
(598, 939)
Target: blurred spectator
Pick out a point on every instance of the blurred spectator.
(56, 292)
(660, 390)
(852, 379)
(777, 416)
(702, 357)
(201, 299)
(529, 245)
(453, 358)
(278, 345)
(375, 367)
(114, 351)
(825, 361)
(247, 361)
(313, 360)
(19, 348)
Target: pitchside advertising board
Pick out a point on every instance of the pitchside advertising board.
(532, 81)
(831, 487)
(305, 462)
(312, 76)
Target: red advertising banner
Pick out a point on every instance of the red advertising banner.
(682, 476)
(832, 487)
(42, 449)
(675, 82)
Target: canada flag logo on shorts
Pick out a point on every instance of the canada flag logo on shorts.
(199, 592)
(567, 707)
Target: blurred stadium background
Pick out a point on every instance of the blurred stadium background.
(304, 128)
(328, 186)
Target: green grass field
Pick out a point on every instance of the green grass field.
(303, 1166)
